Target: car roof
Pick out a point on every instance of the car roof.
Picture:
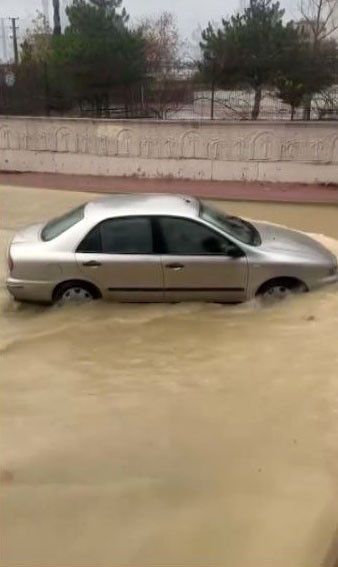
(120, 205)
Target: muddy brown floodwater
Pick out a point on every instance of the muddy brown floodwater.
(174, 435)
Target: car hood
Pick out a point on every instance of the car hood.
(30, 233)
(277, 238)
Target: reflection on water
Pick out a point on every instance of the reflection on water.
(167, 435)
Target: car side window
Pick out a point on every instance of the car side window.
(92, 242)
(131, 235)
(191, 238)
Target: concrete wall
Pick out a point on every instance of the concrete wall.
(269, 151)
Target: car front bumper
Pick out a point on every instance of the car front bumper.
(329, 280)
(35, 291)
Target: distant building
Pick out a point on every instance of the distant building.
(307, 29)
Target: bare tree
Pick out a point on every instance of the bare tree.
(36, 45)
(191, 49)
(319, 25)
(321, 19)
(167, 90)
(162, 41)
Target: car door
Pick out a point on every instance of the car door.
(199, 264)
(117, 256)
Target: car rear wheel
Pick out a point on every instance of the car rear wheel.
(74, 292)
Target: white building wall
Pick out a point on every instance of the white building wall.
(250, 151)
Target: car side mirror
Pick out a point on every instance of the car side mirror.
(234, 251)
(212, 245)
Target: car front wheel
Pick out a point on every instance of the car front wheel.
(278, 290)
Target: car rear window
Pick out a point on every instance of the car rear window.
(59, 225)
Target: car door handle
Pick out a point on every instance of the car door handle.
(175, 266)
(91, 264)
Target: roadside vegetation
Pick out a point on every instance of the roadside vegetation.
(105, 65)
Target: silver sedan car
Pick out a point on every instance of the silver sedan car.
(154, 248)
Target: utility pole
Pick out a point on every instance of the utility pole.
(56, 13)
(15, 40)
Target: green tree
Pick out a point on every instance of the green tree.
(98, 53)
(249, 50)
(308, 73)
(110, 7)
(96, 16)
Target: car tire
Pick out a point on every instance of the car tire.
(281, 289)
(75, 292)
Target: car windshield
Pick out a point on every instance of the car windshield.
(235, 226)
(59, 225)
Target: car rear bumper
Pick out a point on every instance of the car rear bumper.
(36, 291)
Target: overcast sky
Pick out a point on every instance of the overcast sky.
(190, 13)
